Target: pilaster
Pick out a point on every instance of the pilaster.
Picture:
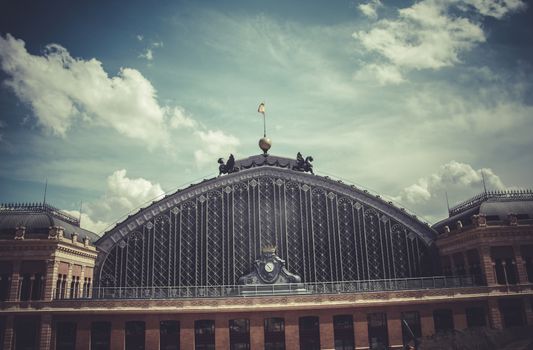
(495, 317)
(459, 318)
(528, 305)
(327, 338)
(50, 282)
(487, 266)
(45, 334)
(83, 334)
(152, 332)
(187, 333)
(117, 333)
(8, 333)
(426, 321)
(69, 281)
(292, 331)
(14, 290)
(394, 327)
(221, 332)
(520, 264)
(257, 332)
(361, 331)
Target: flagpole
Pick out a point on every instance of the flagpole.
(264, 125)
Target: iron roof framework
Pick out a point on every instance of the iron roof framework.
(211, 233)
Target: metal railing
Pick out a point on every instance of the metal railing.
(39, 208)
(436, 282)
(501, 195)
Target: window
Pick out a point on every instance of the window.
(100, 335)
(472, 256)
(135, 335)
(343, 332)
(204, 333)
(475, 317)
(26, 333)
(86, 287)
(239, 334)
(309, 328)
(169, 335)
(4, 286)
(512, 311)
(504, 265)
(75, 287)
(65, 336)
(61, 286)
(411, 327)
(443, 320)
(378, 335)
(274, 333)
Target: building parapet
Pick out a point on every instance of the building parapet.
(494, 195)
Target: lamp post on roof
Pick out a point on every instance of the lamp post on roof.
(264, 143)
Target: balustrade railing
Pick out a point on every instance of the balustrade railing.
(436, 282)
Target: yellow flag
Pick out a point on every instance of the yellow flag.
(261, 109)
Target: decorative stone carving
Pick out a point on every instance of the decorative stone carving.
(459, 224)
(479, 220)
(74, 237)
(20, 231)
(513, 219)
(86, 241)
(446, 229)
(269, 269)
(56, 232)
(228, 167)
(303, 164)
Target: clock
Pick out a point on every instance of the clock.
(269, 267)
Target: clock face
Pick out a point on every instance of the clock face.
(269, 267)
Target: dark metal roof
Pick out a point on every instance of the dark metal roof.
(38, 218)
(258, 165)
(495, 205)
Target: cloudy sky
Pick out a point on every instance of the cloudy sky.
(116, 102)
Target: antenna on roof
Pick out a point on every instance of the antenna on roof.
(483, 179)
(447, 202)
(79, 218)
(45, 188)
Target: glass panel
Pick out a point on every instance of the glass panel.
(66, 336)
(343, 332)
(169, 335)
(411, 327)
(309, 333)
(274, 334)
(100, 335)
(204, 331)
(135, 335)
(378, 336)
(443, 319)
(239, 334)
(475, 317)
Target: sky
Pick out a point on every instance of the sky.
(114, 103)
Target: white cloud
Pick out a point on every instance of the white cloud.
(459, 180)
(140, 37)
(88, 223)
(427, 35)
(62, 90)
(496, 8)
(385, 74)
(370, 9)
(147, 54)
(215, 143)
(123, 194)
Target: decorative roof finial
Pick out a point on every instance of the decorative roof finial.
(264, 143)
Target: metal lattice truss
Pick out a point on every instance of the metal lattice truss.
(211, 233)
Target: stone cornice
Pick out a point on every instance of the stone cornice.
(487, 236)
(267, 303)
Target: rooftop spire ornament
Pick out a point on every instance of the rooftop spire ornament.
(264, 143)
